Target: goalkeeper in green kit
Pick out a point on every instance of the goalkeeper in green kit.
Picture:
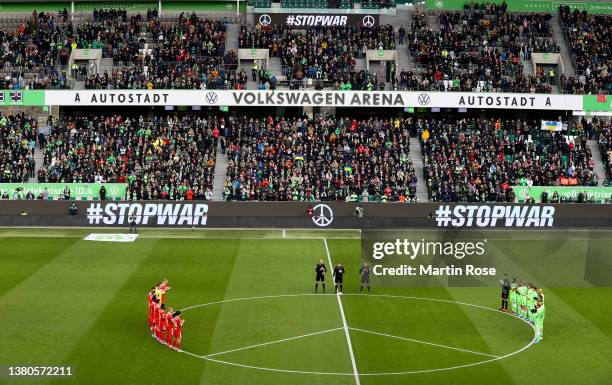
(539, 316)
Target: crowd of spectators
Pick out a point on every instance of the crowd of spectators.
(477, 160)
(17, 144)
(481, 48)
(190, 73)
(42, 78)
(603, 133)
(589, 39)
(322, 54)
(327, 158)
(29, 53)
(159, 158)
(154, 53)
(119, 14)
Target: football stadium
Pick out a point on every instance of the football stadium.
(299, 192)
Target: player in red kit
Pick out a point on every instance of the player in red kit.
(162, 323)
(150, 298)
(154, 317)
(178, 325)
(169, 327)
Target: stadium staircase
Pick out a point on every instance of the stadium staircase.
(433, 21)
(38, 154)
(106, 65)
(528, 68)
(220, 174)
(231, 37)
(568, 63)
(231, 44)
(360, 64)
(404, 18)
(599, 164)
(404, 61)
(417, 160)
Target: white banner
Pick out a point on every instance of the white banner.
(111, 237)
(548, 125)
(294, 98)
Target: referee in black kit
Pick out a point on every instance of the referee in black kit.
(338, 278)
(132, 223)
(365, 277)
(320, 269)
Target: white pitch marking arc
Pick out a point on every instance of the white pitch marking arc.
(496, 358)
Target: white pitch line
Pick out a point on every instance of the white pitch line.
(252, 298)
(424, 342)
(345, 326)
(270, 343)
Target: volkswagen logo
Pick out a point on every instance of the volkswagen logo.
(211, 98)
(423, 99)
(323, 215)
(265, 20)
(368, 21)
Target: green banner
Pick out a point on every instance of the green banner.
(79, 191)
(599, 194)
(22, 98)
(527, 5)
(202, 6)
(597, 103)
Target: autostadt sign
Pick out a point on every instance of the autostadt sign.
(299, 98)
(317, 19)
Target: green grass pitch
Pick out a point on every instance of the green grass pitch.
(252, 316)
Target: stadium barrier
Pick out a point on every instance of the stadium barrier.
(305, 215)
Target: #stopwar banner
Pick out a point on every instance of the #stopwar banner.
(79, 191)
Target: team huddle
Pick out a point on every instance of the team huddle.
(338, 274)
(165, 326)
(526, 302)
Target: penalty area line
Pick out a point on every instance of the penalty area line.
(344, 324)
(424, 342)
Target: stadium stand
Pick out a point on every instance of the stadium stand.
(477, 160)
(17, 143)
(161, 158)
(319, 159)
(481, 48)
(29, 52)
(324, 54)
(158, 53)
(604, 133)
(589, 40)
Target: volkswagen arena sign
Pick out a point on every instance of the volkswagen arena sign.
(308, 20)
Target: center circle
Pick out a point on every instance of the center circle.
(213, 357)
